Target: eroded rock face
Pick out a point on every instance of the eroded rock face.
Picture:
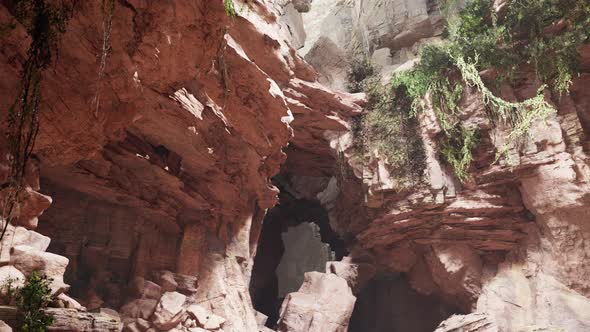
(304, 252)
(171, 169)
(468, 323)
(517, 220)
(387, 32)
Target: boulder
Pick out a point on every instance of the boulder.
(324, 303)
(146, 289)
(70, 302)
(110, 312)
(9, 275)
(182, 283)
(72, 320)
(260, 319)
(4, 327)
(475, 322)
(458, 270)
(143, 324)
(28, 259)
(31, 207)
(140, 308)
(23, 236)
(356, 275)
(204, 318)
(169, 311)
(132, 327)
(167, 281)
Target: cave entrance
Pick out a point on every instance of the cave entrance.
(296, 238)
(389, 304)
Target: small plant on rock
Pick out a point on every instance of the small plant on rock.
(31, 300)
(8, 291)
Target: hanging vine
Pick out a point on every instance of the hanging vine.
(108, 8)
(529, 35)
(45, 23)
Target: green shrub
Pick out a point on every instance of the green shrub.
(31, 299)
(360, 70)
(9, 291)
(390, 128)
(542, 34)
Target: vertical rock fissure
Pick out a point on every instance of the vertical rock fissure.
(296, 238)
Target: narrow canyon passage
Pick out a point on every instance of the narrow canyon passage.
(296, 238)
(389, 304)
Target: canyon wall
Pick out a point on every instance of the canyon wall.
(161, 164)
(510, 244)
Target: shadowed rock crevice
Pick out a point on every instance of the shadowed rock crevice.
(295, 238)
(388, 303)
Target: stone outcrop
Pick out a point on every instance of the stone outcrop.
(72, 320)
(163, 161)
(323, 303)
(468, 323)
(386, 32)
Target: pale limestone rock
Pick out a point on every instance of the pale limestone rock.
(70, 303)
(28, 259)
(303, 238)
(4, 327)
(324, 303)
(169, 311)
(22, 236)
(9, 272)
(475, 322)
(356, 275)
(331, 62)
(204, 318)
(143, 324)
(261, 319)
(458, 271)
(533, 300)
(197, 329)
(167, 282)
(132, 327)
(72, 320)
(146, 289)
(140, 308)
(32, 204)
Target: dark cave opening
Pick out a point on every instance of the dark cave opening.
(389, 304)
(296, 238)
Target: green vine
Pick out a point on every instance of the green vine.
(540, 34)
(108, 8)
(544, 34)
(391, 129)
(45, 23)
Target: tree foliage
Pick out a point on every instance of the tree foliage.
(31, 299)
